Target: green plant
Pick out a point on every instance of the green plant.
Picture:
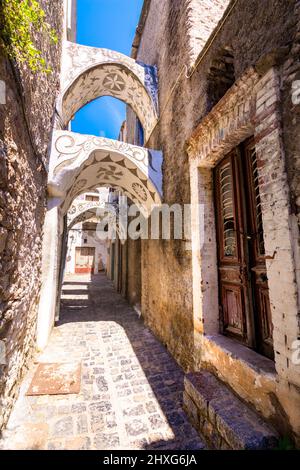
(285, 444)
(19, 20)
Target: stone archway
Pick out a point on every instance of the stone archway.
(85, 211)
(80, 163)
(88, 73)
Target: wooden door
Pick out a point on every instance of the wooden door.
(85, 259)
(244, 300)
(257, 256)
(232, 266)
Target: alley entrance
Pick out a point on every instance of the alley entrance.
(131, 388)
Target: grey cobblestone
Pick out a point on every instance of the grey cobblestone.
(131, 389)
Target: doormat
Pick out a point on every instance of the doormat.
(56, 379)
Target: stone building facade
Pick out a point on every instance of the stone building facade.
(225, 73)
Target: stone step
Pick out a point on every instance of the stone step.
(221, 418)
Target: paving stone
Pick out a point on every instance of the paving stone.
(103, 441)
(110, 421)
(136, 427)
(156, 421)
(63, 427)
(100, 407)
(135, 411)
(78, 408)
(78, 443)
(151, 407)
(81, 424)
(55, 445)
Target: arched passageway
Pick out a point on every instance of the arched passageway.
(88, 211)
(80, 163)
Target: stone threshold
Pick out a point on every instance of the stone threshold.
(221, 418)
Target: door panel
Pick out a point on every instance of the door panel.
(259, 279)
(233, 282)
(232, 303)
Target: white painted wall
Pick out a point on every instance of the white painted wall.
(76, 239)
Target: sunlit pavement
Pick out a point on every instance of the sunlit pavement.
(131, 388)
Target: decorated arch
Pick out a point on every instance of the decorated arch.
(81, 163)
(89, 73)
(88, 211)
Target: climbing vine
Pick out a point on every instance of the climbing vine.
(19, 19)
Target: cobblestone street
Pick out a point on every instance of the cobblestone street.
(131, 388)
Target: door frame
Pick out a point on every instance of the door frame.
(242, 274)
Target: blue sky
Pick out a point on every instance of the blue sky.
(110, 24)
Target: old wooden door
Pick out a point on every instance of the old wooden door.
(85, 259)
(257, 255)
(244, 300)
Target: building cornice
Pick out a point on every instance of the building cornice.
(140, 29)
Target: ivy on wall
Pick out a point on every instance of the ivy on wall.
(19, 19)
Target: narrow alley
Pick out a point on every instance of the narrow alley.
(149, 226)
(131, 388)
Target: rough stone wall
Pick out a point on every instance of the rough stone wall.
(25, 127)
(252, 30)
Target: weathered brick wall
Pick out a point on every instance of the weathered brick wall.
(202, 16)
(291, 134)
(251, 107)
(25, 126)
(252, 30)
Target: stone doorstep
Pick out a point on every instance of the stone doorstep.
(223, 419)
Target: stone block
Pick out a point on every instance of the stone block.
(229, 422)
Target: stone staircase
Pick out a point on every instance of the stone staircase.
(221, 418)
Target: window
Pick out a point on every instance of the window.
(89, 197)
(89, 226)
(221, 76)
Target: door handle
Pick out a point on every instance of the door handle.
(269, 256)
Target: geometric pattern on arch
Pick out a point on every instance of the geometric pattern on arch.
(83, 211)
(88, 211)
(90, 72)
(80, 163)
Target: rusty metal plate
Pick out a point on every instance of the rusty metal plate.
(56, 379)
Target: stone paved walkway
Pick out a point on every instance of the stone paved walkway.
(131, 390)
